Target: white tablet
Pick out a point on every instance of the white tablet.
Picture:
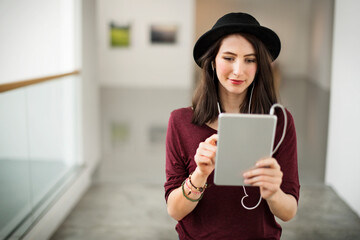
(243, 140)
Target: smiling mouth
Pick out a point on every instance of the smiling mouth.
(236, 82)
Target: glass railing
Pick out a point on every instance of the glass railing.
(38, 149)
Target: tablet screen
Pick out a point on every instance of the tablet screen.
(243, 140)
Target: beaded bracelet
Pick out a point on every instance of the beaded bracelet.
(192, 200)
(199, 189)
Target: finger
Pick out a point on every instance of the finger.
(263, 171)
(212, 139)
(258, 179)
(206, 150)
(267, 162)
(266, 185)
(206, 153)
(207, 146)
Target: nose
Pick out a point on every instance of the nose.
(238, 68)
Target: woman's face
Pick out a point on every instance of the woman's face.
(235, 65)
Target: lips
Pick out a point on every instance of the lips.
(236, 82)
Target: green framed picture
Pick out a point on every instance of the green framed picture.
(119, 35)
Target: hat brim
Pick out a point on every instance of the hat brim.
(266, 35)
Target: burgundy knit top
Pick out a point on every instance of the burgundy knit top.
(219, 214)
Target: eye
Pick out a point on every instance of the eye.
(228, 58)
(250, 60)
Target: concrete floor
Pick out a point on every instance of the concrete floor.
(126, 200)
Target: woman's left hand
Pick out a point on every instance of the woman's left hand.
(267, 175)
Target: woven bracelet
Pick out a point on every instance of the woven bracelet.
(192, 200)
(199, 189)
(190, 189)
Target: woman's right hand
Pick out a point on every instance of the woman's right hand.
(205, 156)
(178, 206)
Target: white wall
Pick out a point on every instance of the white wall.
(35, 41)
(319, 63)
(90, 86)
(143, 64)
(343, 155)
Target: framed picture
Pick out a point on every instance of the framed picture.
(119, 35)
(163, 34)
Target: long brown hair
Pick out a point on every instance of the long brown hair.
(206, 97)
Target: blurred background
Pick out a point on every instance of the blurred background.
(87, 87)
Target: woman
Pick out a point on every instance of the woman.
(235, 57)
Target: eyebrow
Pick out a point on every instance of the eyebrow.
(246, 55)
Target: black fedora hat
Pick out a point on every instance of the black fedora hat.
(237, 23)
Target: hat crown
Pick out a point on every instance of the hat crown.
(235, 19)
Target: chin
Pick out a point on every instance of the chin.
(236, 90)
